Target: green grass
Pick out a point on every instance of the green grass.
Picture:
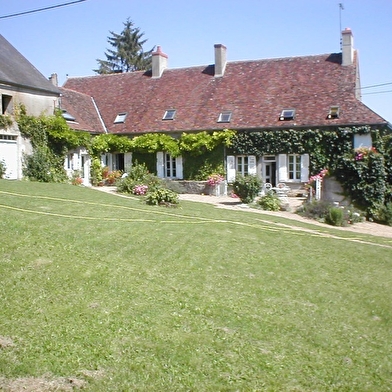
(129, 297)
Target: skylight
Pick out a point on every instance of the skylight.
(67, 116)
(333, 112)
(169, 114)
(120, 118)
(224, 117)
(287, 114)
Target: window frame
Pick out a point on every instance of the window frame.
(294, 167)
(120, 118)
(169, 114)
(287, 115)
(225, 116)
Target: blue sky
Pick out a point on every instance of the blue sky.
(68, 40)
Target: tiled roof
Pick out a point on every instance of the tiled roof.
(82, 108)
(16, 70)
(255, 91)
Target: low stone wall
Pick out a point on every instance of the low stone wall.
(202, 188)
(195, 187)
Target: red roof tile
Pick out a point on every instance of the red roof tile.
(82, 108)
(255, 91)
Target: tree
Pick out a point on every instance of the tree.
(128, 54)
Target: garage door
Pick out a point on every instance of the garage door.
(9, 154)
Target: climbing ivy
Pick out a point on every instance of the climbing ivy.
(51, 139)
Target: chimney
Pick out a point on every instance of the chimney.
(53, 78)
(159, 63)
(220, 60)
(347, 47)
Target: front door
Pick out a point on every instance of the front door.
(269, 172)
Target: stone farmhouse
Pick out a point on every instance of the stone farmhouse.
(294, 93)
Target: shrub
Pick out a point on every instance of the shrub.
(246, 187)
(162, 196)
(44, 166)
(335, 216)
(270, 202)
(3, 169)
(136, 177)
(385, 214)
(315, 209)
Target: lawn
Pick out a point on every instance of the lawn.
(105, 293)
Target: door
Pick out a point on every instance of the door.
(269, 172)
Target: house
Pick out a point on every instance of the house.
(20, 84)
(293, 94)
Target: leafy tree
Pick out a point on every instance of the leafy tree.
(128, 54)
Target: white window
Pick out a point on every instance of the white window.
(169, 114)
(120, 118)
(294, 169)
(287, 114)
(224, 117)
(169, 166)
(242, 165)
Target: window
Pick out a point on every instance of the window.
(333, 112)
(224, 117)
(8, 137)
(67, 116)
(294, 167)
(6, 104)
(170, 166)
(169, 114)
(120, 118)
(287, 114)
(242, 165)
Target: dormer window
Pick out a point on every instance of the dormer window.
(333, 112)
(169, 114)
(287, 114)
(120, 118)
(224, 117)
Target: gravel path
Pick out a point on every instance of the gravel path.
(370, 228)
(233, 203)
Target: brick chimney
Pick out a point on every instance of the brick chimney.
(53, 78)
(347, 47)
(220, 60)
(159, 63)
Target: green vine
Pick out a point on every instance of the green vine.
(5, 121)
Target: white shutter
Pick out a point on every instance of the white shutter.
(305, 168)
(160, 165)
(252, 165)
(282, 170)
(127, 161)
(75, 162)
(230, 168)
(179, 174)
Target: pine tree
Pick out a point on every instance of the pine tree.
(128, 54)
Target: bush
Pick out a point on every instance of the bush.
(3, 169)
(162, 196)
(315, 209)
(385, 214)
(324, 211)
(247, 187)
(270, 202)
(44, 166)
(335, 216)
(137, 177)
